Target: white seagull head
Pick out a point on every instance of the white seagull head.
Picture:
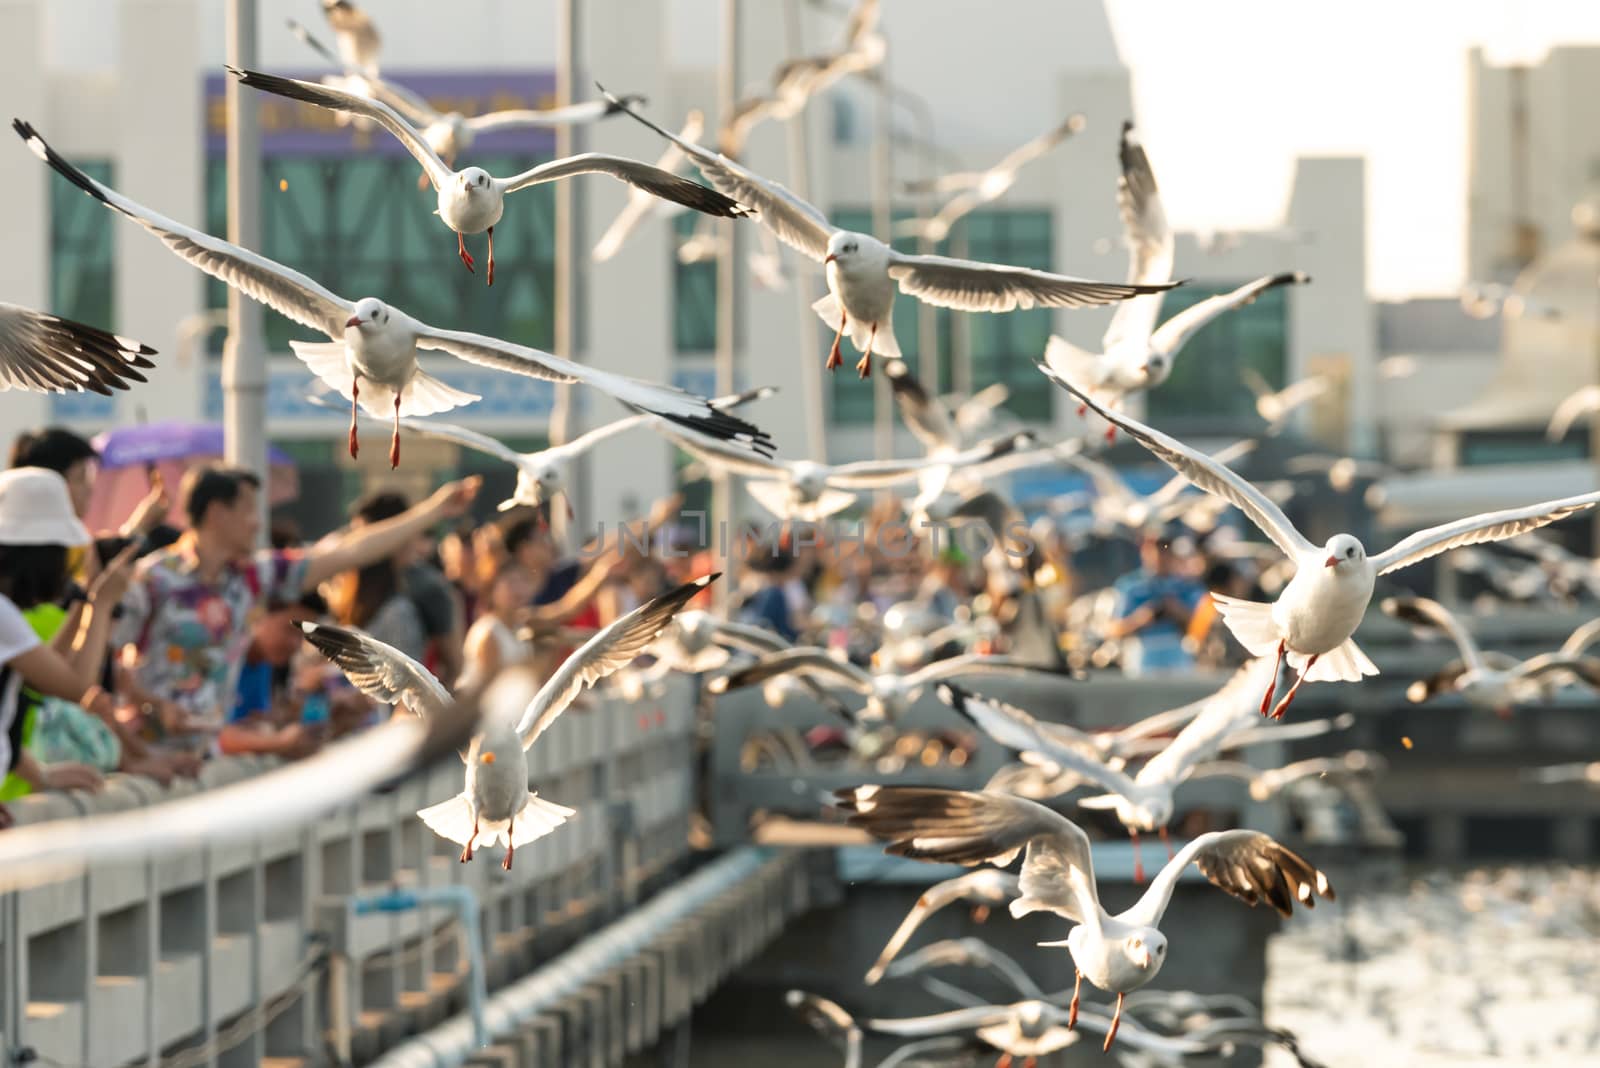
(1343, 550)
(1156, 368)
(475, 179)
(370, 314)
(850, 252)
(1146, 949)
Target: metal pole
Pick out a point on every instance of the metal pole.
(728, 290)
(883, 227)
(244, 358)
(563, 421)
(799, 133)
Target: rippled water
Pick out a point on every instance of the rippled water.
(1490, 966)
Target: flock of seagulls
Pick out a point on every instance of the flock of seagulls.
(370, 360)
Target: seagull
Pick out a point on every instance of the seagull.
(829, 1020)
(1485, 300)
(937, 422)
(966, 953)
(1267, 783)
(1117, 953)
(1313, 620)
(355, 35)
(450, 133)
(1116, 504)
(973, 189)
(1134, 354)
(542, 475)
(888, 696)
(472, 200)
(1143, 802)
(986, 886)
(1499, 685)
(44, 353)
(286, 796)
(862, 271)
(1275, 406)
(375, 345)
(497, 804)
(1583, 401)
(1588, 774)
(811, 491)
(641, 204)
(1342, 471)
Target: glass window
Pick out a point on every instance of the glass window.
(81, 258)
(361, 227)
(1483, 447)
(694, 289)
(1206, 375)
(1006, 347)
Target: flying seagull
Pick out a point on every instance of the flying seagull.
(1117, 953)
(355, 35)
(375, 345)
(1313, 619)
(641, 204)
(862, 271)
(44, 353)
(496, 803)
(472, 200)
(1134, 354)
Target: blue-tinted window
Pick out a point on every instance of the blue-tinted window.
(1483, 447)
(361, 227)
(1006, 347)
(81, 259)
(694, 292)
(1205, 385)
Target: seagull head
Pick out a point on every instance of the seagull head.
(474, 179)
(1147, 949)
(1155, 369)
(1343, 550)
(843, 247)
(370, 312)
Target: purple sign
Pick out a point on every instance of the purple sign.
(295, 128)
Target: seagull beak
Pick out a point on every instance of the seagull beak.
(354, 320)
(1332, 561)
(831, 258)
(1141, 956)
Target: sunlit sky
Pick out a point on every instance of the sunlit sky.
(1386, 80)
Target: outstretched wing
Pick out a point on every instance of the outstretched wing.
(613, 648)
(44, 353)
(1422, 612)
(987, 887)
(380, 671)
(1477, 529)
(664, 185)
(1176, 331)
(969, 285)
(1149, 239)
(1252, 866)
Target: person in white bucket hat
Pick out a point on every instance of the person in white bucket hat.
(38, 532)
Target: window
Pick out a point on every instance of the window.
(1483, 447)
(694, 291)
(850, 399)
(1005, 347)
(1205, 382)
(360, 226)
(81, 275)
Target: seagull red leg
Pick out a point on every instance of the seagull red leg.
(1166, 841)
(394, 441)
(1272, 685)
(355, 392)
(1138, 862)
(1072, 1010)
(461, 250)
(980, 913)
(511, 826)
(864, 365)
(1004, 1061)
(1283, 705)
(835, 361)
(491, 255)
(466, 853)
(1116, 1021)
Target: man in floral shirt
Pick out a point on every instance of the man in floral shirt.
(191, 607)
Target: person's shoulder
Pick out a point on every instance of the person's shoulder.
(1131, 580)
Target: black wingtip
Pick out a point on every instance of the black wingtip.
(722, 426)
(1290, 278)
(624, 102)
(41, 148)
(956, 698)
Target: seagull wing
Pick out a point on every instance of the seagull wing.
(1570, 410)
(1477, 529)
(987, 886)
(1586, 668)
(640, 203)
(540, 119)
(1150, 243)
(1204, 471)
(968, 285)
(967, 953)
(1580, 639)
(289, 293)
(288, 796)
(1252, 866)
(653, 180)
(715, 454)
(807, 659)
(324, 96)
(1181, 327)
(44, 353)
(940, 1023)
(1029, 151)
(380, 671)
(1422, 612)
(923, 414)
(967, 827)
(613, 648)
(1017, 730)
(467, 438)
(796, 223)
(672, 404)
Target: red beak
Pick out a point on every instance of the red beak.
(355, 320)
(830, 258)
(1331, 561)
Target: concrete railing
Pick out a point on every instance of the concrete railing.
(231, 943)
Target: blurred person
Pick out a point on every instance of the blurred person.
(265, 717)
(766, 604)
(458, 562)
(189, 609)
(1154, 607)
(39, 529)
(77, 461)
(492, 643)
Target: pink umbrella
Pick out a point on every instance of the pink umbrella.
(128, 453)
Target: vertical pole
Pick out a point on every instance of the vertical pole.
(883, 227)
(563, 423)
(727, 290)
(799, 134)
(960, 325)
(244, 358)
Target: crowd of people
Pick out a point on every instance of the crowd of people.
(175, 638)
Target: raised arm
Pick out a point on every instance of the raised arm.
(379, 540)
